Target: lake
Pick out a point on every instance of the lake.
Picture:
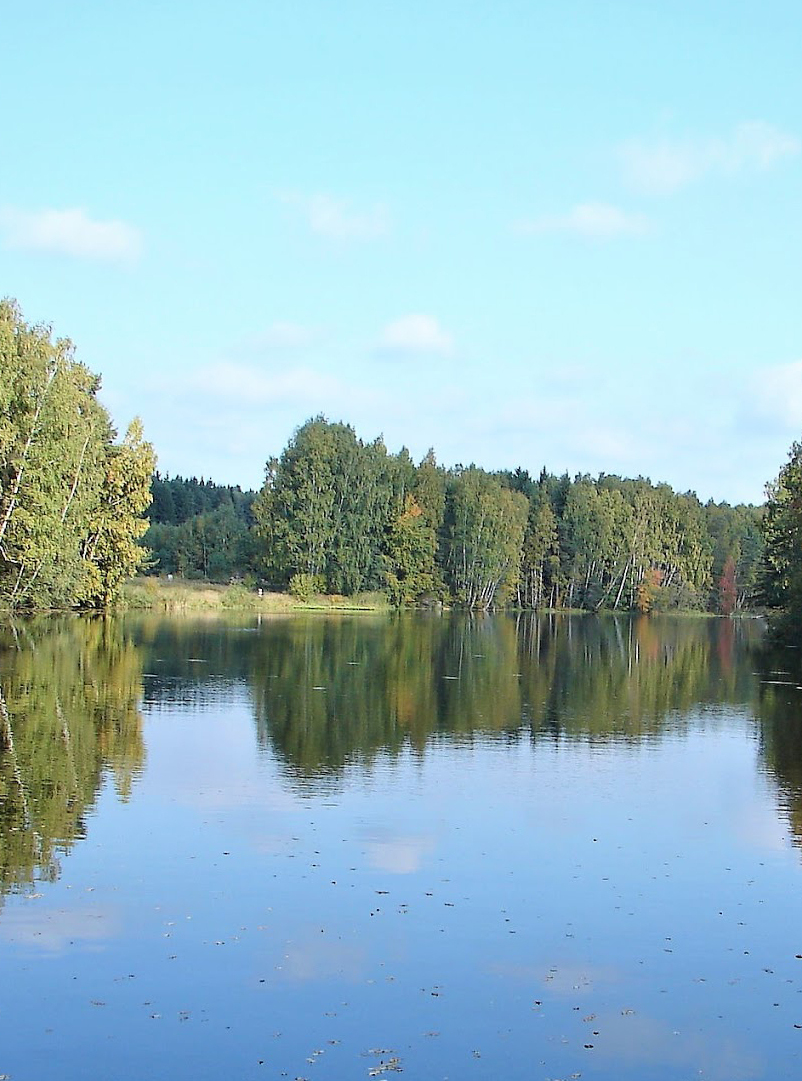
(353, 846)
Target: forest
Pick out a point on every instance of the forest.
(338, 515)
(81, 512)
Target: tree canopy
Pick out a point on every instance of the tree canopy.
(339, 515)
(782, 527)
(72, 500)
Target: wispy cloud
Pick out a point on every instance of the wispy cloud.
(337, 219)
(70, 232)
(415, 334)
(231, 381)
(666, 165)
(777, 394)
(596, 221)
(282, 336)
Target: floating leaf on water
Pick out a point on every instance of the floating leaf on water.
(392, 1065)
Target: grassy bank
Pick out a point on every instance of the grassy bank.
(163, 595)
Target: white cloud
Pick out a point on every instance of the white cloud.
(598, 221)
(337, 219)
(230, 381)
(778, 394)
(281, 335)
(415, 334)
(667, 165)
(70, 232)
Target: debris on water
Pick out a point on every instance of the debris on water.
(392, 1065)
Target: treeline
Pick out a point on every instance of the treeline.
(71, 498)
(200, 530)
(781, 582)
(338, 515)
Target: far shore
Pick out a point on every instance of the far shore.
(193, 595)
(182, 594)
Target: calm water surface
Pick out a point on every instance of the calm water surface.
(348, 847)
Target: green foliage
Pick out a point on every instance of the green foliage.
(410, 555)
(335, 507)
(782, 530)
(305, 586)
(178, 499)
(216, 545)
(485, 523)
(326, 506)
(71, 500)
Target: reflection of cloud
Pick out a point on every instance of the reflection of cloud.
(761, 830)
(647, 1042)
(276, 844)
(53, 929)
(597, 221)
(398, 855)
(571, 979)
(318, 958)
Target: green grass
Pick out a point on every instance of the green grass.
(180, 595)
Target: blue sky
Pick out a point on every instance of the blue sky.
(521, 233)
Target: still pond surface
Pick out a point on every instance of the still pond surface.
(358, 846)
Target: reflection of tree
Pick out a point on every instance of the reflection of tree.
(780, 715)
(331, 692)
(628, 678)
(69, 692)
(327, 691)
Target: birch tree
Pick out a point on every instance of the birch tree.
(57, 460)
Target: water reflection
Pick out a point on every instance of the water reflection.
(69, 693)
(483, 844)
(328, 694)
(779, 711)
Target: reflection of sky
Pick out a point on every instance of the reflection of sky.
(52, 930)
(521, 900)
(646, 1044)
(396, 854)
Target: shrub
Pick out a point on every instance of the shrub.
(305, 586)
